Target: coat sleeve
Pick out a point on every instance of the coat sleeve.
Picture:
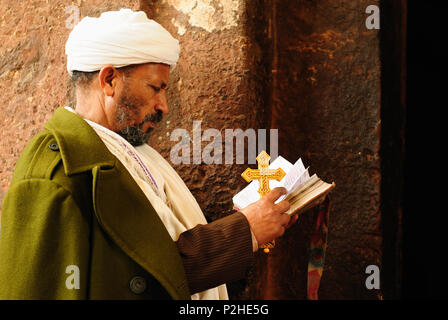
(216, 253)
(44, 243)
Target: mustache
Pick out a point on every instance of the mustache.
(135, 134)
(154, 118)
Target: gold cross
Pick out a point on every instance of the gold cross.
(263, 174)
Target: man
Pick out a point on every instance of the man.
(93, 212)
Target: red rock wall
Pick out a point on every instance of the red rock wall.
(313, 68)
(326, 100)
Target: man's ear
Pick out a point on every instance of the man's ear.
(108, 77)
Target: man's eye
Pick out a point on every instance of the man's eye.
(156, 89)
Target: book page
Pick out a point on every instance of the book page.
(250, 193)
(304, 177)
(295, 177)
(292, 175)
(310, 197)
(246, 196)
(301, 188)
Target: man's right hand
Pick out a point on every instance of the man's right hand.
(268, 220)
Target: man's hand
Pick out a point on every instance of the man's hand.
(268, 220)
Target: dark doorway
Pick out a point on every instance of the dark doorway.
(424, 210)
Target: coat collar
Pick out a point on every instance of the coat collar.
(121, 207)
(80, 147)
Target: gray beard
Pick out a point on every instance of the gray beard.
(135, 134)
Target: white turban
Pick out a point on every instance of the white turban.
(119, 38)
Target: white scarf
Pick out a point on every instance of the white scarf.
(164, 188)
(119, 38)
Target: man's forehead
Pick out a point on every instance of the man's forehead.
(155, 72)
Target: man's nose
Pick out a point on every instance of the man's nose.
(162, 103)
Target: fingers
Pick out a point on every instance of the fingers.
(285, 219)
(274, 194)
(292, 220)
(281, 231)
(283, 206)
(266, 218)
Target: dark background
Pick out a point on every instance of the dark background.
(424, 210)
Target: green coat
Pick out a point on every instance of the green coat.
(72, 203)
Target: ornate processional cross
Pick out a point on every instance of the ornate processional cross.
(263, 174)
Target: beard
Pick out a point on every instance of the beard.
(127, 110)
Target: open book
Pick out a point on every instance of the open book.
(303, 191)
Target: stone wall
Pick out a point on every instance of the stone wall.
(326, 100)
(314, 70)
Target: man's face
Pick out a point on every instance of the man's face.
(142, 101)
